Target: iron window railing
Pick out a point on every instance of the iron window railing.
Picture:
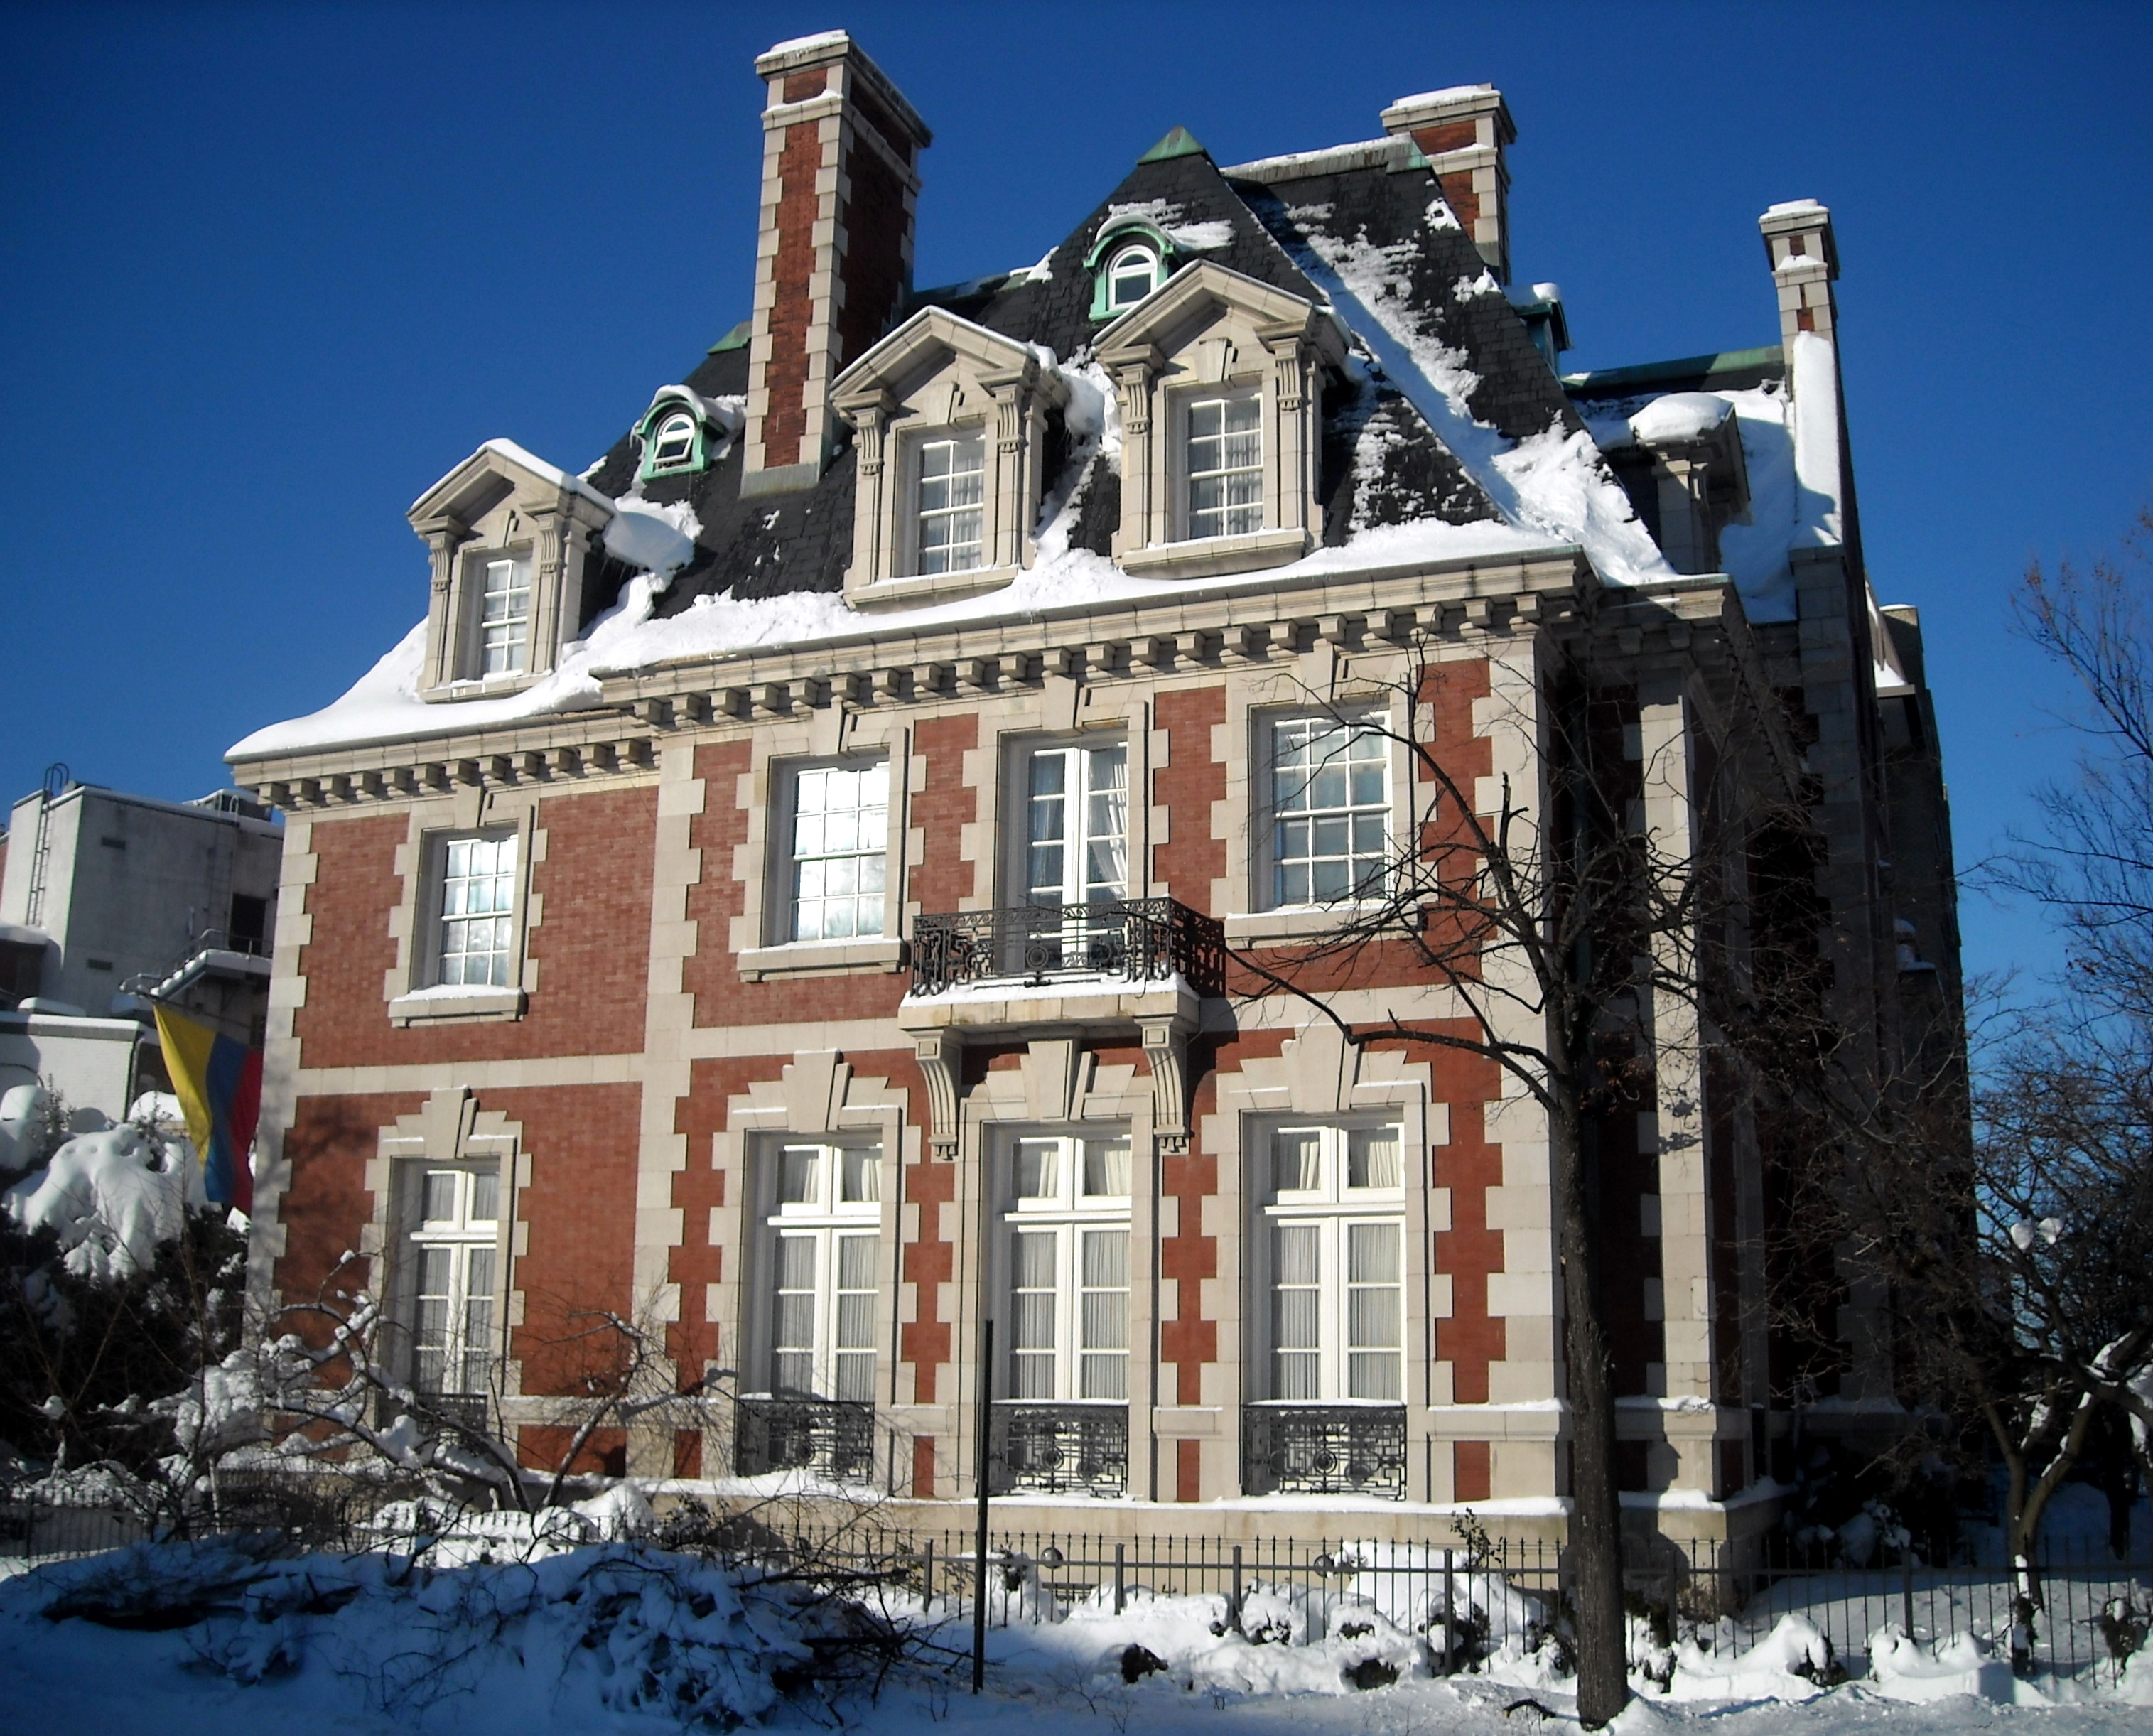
(1323, 1449)
(1130, 940)
(831, 1437)
(1062, 1448)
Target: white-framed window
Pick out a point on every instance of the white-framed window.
(1077, 824)
(504, 612)
(1132, 274)
(673, 442)
(950, 518)
(476, 929)
(455, 1248)
(1065, 1231)
(837, 851)
(1331, 1245)
(1328, 810)
(1225, 466)
(822, 1237)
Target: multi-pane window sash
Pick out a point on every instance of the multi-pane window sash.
(1067, 1226)
(675, 442)
(1225, 466)
(478, 904)
(1330, 810)
(505, 618)
(952, 475)
(454, 1253)
(1077, 846)
(823, 1232)
(1334, 1227)
(840, 839)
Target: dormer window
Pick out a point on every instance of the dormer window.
(675, 446)
(954, 426)
(1129, 258)
(952, 473)
(1220, 380)
(683, 431)
(1133, 276)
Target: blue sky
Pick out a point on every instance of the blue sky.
(267, 272)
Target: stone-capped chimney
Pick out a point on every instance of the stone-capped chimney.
(1462, 132)
(1804, 264)
(833, 258)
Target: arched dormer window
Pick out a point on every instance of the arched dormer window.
(1129, 260)
(673, 447)
(683, 432)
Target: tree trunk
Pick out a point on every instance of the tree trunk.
(1596, 1522)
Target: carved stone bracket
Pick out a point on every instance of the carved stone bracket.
(941, 1054)
(1166, 1047)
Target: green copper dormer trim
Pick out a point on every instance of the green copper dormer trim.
(1108, 245)
(681, 433)
(736, 338)
(1178, 143)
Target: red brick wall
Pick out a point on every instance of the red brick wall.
(580, 1207)
(942, 810)
(327, 1202)
(1469, 1252)
(1187, 786)
(593, 946)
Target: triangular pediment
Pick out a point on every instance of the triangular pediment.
(490, 475)
(920, 347)
(1197, 295)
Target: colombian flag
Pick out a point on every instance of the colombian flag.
(219, 1083)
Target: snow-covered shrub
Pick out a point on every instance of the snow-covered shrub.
(617, 1629)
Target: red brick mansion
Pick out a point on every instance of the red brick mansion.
(783, 890)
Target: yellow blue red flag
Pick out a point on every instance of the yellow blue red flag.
(218, 1081)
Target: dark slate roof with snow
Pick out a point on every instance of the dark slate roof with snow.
(1382, 464)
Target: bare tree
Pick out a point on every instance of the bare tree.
(335, 1371)
(1553, 929)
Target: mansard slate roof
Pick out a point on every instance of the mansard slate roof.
(1382, 464)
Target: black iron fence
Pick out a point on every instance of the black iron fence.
(1127, 939)
(2075, 1618)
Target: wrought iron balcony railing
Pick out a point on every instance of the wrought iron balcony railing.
(833, 1438)
(1126, 939)
(1323, 1449)
(1062, 1448)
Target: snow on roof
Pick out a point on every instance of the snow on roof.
(383, 704)
(798, 44)
(1332, 160)
(1787, 207)
(1679, 416)
(1553, 482)
(21, 934)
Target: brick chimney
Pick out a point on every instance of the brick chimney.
(1462, 132)
(1804, 265)
(833, 258)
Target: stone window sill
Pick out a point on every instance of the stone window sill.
(1303, 923)
(937, 587)
(803, 958)
(427, 1006)
(1209, 557)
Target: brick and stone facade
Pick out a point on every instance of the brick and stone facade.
(662, 1032)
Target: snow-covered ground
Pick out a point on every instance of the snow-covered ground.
(622, 1637)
